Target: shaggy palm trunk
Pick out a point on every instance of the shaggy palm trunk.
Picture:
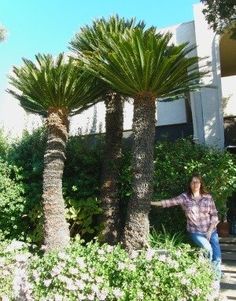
(137, 224)
(109, 189)
(56, 229)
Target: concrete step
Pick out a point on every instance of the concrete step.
(229, 267)
(228, 240)
(230, 255)
(228, 247)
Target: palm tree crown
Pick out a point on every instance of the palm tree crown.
(143, 61)
(90, 38)
(58, 83)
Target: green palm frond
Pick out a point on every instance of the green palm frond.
(142, 61)
(91, 37)
(56, 82)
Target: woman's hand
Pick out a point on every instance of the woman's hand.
(208, 235)
(156, 204)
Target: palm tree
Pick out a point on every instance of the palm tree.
(88, 41)
(143, 65)
(55, 89)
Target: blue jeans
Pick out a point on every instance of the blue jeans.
(212, 248)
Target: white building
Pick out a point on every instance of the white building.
(202, 115)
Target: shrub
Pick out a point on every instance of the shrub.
(4, 144)
(13, 256)
(12, 203)
(176, 162)
(80, 185)
(94, 272)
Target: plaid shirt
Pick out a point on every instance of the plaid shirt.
(200, 213)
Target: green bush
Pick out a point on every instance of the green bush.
(81, 182)
(13, 255)
(4, 144)
(94, 272)
(176, 162)
(12, 203)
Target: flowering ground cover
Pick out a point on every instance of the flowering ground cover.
(94, 272)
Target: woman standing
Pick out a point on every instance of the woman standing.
(202, 219)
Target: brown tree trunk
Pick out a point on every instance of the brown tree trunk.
(137, 224)
(110, 172)
(56, 229)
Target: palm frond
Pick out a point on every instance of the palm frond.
(59, 82)
(144, 61)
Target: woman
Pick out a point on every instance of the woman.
(202, 218)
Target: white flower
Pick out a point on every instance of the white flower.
(56, 271)
(2, 261)
(63, 278)
(101, 252)
(58, 297)
(5, 273)
(162, 258)
(80, 284)
(90, 297)
(22, 257)
(47, 282)
(185, 281)
(73, 271)
(71, 285)
(191, 271)
(118, 293)
(5, 298)
(95, 288)
(63, 256)
(99, 279)
(15, 245)
(196, 291)
(81, 297)
(102, 295)
(110, 248)
(134, 254)
(81, 262)
(178, 254)
(121, 265)
(35, 275)
(85, 277)
(173, 263)
(149, 254)
(140, 295)
(131, 267)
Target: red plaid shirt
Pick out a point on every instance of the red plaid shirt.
(200, 213)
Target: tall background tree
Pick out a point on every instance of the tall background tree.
(55, 89)
(221, 15)
(2, 33)
(88, 41)
(144, 66)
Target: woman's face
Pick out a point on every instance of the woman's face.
(195, 184)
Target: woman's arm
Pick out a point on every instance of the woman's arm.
(170, 202)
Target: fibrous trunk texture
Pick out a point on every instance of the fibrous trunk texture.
(137, 223)
(110, 172)
(56, 229)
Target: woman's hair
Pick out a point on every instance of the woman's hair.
(203, 189)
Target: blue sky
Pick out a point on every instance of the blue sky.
(46, 26)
